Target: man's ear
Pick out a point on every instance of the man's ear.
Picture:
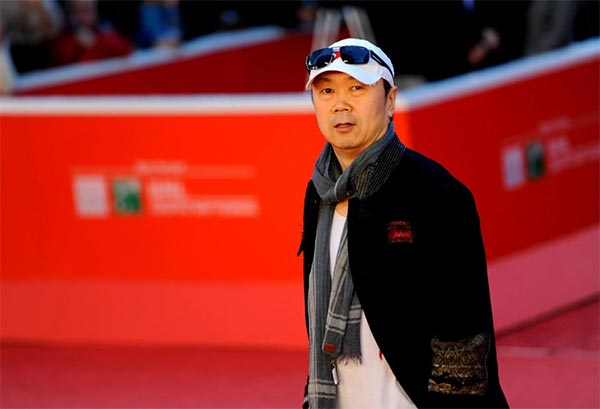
(391, 101)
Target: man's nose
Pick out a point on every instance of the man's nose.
(341, 105)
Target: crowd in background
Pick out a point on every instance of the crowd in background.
(433, 40)
(49, 33)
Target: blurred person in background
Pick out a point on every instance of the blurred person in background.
(7, 69)
(206, 17)
(552, 24)
(123, 16)
(85, 37)
(441, 39)
(397, 301)
(27, 28)
(306, 12)
(438, 39)
(159, 24)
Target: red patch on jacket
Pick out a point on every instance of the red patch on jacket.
(400, 232)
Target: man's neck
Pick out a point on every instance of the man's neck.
(344, 158)
(342, 208)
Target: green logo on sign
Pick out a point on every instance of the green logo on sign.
(127, 195)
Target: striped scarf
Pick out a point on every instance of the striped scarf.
(334, 310)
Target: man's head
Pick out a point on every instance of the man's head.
(353, 94)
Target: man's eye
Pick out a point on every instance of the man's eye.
(357, 87)
(326, 90)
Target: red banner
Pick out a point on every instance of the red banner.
(178, 220)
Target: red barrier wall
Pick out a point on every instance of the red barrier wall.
(242, 61)
(203, 196)
(526, 149)
(129, 221)
(525, 139)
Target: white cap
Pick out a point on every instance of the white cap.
(368, 73)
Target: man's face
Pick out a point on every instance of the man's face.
(350, 114)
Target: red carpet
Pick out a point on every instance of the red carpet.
(550, 364)
(554, 363)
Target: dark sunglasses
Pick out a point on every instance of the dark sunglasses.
(350, 54)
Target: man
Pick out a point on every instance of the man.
(396, 292)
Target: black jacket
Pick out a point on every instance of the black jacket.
(419, 268)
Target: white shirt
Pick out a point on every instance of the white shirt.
(370, 384)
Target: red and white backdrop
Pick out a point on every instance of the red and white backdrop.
(177, 219)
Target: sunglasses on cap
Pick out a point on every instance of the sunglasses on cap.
(350, 54)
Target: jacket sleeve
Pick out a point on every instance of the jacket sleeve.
(306, 249)
(464, 364)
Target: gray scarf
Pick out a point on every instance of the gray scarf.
(333, 307)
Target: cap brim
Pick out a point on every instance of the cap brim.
(355, 71)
